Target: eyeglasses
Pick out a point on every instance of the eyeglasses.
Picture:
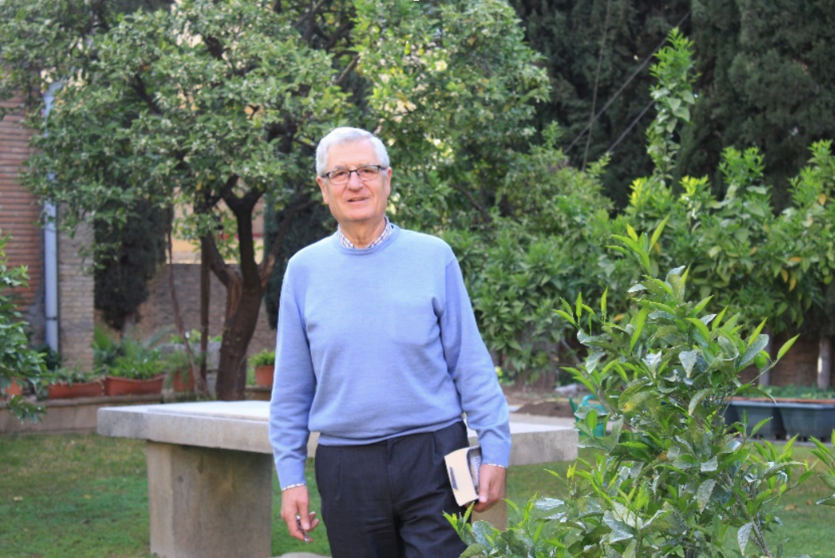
(366, 173)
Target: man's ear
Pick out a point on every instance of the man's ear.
(388, 181)
(321, 182)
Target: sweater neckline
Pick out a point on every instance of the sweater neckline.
(395, 233)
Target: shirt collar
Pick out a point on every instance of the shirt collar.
(387, 230)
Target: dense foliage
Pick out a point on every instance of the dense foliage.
(19, 363)
(209, 106)
(181, 107)
(129, 256)
(765, 80)
(548, 239)
(671, 478)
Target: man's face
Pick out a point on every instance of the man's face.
(356, 202)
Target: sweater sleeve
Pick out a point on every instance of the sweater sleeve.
(472, 370)
(293, 388)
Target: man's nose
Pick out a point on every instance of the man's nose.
(354, 181)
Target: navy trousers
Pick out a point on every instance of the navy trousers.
(386, 500)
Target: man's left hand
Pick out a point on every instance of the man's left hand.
(491, 486)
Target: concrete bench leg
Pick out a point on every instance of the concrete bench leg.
(209, 503)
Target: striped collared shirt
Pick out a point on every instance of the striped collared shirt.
(343, 240)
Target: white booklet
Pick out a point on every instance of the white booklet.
(462, 466)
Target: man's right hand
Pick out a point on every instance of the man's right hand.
(295, 504)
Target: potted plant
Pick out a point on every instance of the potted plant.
(264, 365)
(134, 376)
(179, 375)
(129, 366)
(73, 382)
(12, 388)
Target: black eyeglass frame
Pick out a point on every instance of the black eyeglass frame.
(379, 168)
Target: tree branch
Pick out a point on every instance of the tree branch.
(309, 15)
(138, 86)
(268, 264)
(305, 144)
(469, 195)
(225, 274)
(215, 47)
(226, 189)
(347, 71)
(344, 27)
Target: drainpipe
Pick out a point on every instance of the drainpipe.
(51, 253)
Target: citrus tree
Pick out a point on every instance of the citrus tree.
(670, 478)
(211, 105)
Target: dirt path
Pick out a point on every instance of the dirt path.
(532, 401)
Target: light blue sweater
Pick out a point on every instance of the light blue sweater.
(379, 343)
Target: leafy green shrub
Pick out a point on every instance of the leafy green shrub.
(73, 375)
(799, 392)
(194, 338)
(827, 457)
(127, 357)
(670, 477)
(18, 362)
(544, 245)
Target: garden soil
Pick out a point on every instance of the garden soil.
(538, 401)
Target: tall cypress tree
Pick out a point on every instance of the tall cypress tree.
(135, 249)
(570, 34)
(766, 81)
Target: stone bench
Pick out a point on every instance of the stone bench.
(210, 472)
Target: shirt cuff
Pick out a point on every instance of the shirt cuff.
(289, 486)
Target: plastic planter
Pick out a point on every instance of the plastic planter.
(808, 419)
(757, 411)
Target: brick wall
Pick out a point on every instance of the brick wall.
(800, 365)
(157, 312)
(19, 215)
(75, 299)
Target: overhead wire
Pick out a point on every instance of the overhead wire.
(631, 125)
(622, 87)
(597, 80)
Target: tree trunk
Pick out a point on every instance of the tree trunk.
(205, 299)
(825, 362)
(200, 385)
(238, 330)
(244, 290)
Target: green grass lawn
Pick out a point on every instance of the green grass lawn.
(78, 496)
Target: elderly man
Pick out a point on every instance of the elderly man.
(378, 351)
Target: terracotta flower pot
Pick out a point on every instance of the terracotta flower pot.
(77, 389)
(180, 384)
(114, 385)
(264, 375)
(13, 389)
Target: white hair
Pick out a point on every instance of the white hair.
(338, 136)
